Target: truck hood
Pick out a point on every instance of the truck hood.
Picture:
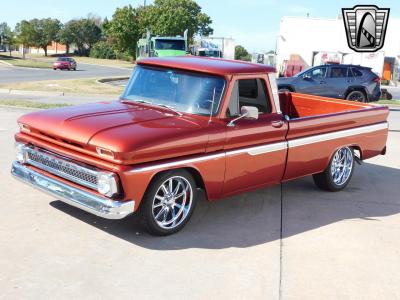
(134, 132)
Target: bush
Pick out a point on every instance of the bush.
(124, 56)
(103, 50)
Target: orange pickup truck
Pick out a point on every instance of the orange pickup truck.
(189, 123)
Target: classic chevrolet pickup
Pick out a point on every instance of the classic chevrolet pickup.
(185, 124)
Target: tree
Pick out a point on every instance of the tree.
(164, 17)
(123, 30)
(83, 33)
(25, 34)
(7, 36)
(91, 32)
(173, 17)
(65, 36)
(46, 31)
(241, 53)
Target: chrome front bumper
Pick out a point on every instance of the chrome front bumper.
(90, 202)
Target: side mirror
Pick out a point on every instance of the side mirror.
(307, 77)
(248, 112)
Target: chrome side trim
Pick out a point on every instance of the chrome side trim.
(336, 135)
(90, 202)
(176, 163)
(258, 150)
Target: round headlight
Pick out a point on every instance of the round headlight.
(20, 152)
(106, 184)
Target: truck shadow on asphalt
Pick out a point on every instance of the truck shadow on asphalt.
(255, 218)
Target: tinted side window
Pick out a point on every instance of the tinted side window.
(248, 88)
(253, 92)
(317, 73)
(338, 72)
(356, 73)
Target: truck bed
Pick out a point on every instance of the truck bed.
(318, 125)
(297, 105)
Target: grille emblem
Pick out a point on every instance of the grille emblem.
(365, 27)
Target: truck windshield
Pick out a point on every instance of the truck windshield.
(209, 53)
(182, 91)
(167, 44)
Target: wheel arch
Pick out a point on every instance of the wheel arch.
(355, 147)
(194, 172)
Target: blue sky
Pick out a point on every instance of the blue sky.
(253, 23)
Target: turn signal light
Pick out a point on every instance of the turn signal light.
(24, 127)
(105, 152)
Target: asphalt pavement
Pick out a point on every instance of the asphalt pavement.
(10, 74)
(284, 242)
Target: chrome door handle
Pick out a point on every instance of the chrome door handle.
(277, 124)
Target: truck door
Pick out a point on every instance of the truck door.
(255, 149)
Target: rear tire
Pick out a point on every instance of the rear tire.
(338, 173)
(169, 202)
(358, 96)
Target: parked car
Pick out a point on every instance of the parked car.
(351, 82)
(190, 123)
(65, 63)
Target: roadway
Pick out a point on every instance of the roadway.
(284, 242)
(10, 74)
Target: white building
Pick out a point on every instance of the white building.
(318, 41)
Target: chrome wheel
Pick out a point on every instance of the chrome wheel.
(172, 202)
(342, 165)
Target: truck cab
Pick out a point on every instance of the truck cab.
(161, 46)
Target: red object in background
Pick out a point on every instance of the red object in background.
(293, 66)
(65, 63)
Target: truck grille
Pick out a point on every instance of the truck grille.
(62, 167)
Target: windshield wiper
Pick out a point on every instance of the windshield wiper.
(157, 104)
(142, 101)
(170, 108)
(137, 100)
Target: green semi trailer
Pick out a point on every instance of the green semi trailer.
(161, 46)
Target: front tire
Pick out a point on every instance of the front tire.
(169, 202)
(339, 171)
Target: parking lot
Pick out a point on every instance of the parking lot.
(285, 242)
